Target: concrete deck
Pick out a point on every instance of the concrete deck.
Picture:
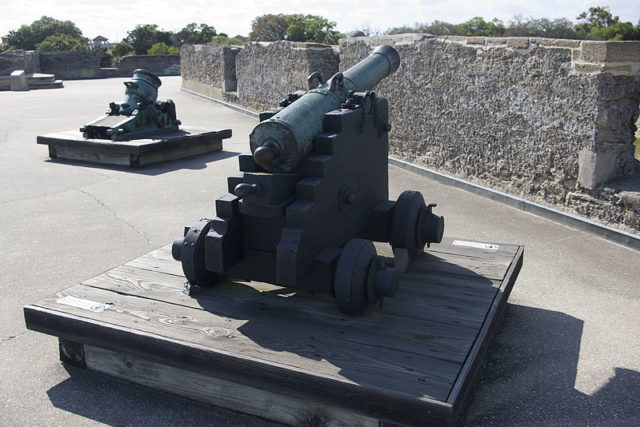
(567, 351)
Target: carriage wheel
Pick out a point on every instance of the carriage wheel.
(190, 251)
(407, 223)
(355, 277)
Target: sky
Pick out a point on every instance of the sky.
(113, 18)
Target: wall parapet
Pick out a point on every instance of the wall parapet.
(267, 72)
(549, 120)
(162, 65)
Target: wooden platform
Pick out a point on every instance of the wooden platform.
(184, 143)
(287, 356)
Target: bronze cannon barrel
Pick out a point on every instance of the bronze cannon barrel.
(280, 143)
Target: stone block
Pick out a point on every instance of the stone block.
(19, 81)
(559, 43)
(610, 51)
(496, 41)
(595, 167)
(588, 68)
(461, 39)
(518, 42)
(476, 40)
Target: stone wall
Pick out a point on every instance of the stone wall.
(85, 64)
(162, 65)
(71, 64)
(209, 69)
(267, 72)
(549, 120)
(11, 61)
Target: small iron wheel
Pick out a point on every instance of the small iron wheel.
(407, 223)
(190, 251)
(354, 282)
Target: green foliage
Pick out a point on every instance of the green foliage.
(121, 49)
(597, 23)
(162, 48)
(311, 28)
(477, 26)
(195, 34)
(268, 28)
(224, 39)
(560, 28)
(600, 24)
(143, 37)
(61, 42)
(296, 27)
(28, 36)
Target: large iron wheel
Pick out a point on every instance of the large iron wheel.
(190, 251)
(407, 223)
(355, 277)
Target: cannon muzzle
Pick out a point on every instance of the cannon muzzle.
(280, 143)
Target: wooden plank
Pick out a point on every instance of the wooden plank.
(381, 403)
(472, 364)
(159, 260)
(411, 361)
(442, 341)
(265, 337)
(135, 153)
(227, 394)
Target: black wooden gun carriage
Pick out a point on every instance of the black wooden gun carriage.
(313, 195)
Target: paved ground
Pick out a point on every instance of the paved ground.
(567, 350)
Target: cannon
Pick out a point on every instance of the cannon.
(138, 116)
(312, 196)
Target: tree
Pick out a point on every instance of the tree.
(27, 36)
(296, 27)
(61, 42)
(267, 28)
(311, 28)
(600, 24)
(162, 48)
(560, 28)
(224, 39)
(477, 26)
(195, 34)
(121, 49)
(143, 37)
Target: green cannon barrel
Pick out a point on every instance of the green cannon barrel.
(280, 143)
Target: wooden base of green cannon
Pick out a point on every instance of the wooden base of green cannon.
(312, 228)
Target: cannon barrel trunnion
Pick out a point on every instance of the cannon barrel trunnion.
(312, 196)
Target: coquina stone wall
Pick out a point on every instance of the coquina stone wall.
(267, 72)
(162, 65)
(209, 69)
(28, 61)
(85, 64)
(71, 64)
(549, 120)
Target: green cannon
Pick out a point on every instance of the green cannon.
(312, 196)
(139, 115)
(280, 143)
